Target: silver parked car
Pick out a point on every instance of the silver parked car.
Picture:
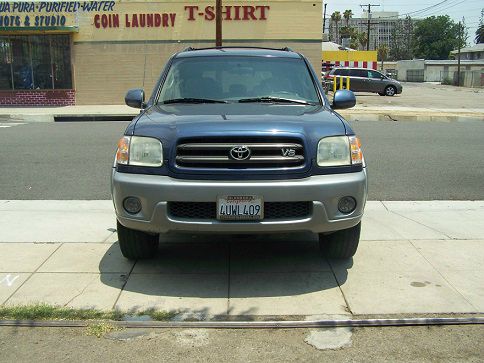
(366, 80)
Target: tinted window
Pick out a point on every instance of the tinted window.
(236, 77)
(374, 74)
(342, 72)
(359, 73)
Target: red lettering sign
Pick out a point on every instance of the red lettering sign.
(192, 12)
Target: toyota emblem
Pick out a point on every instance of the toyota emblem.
(240, 153)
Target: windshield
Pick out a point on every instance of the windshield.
(238, 78)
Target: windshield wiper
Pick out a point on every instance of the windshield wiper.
(192, 100)
(274, 99)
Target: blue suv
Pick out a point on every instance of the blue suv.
(234, 141)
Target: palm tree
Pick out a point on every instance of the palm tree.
(347, 14)
(336, 18)
(354, 43)
(382, 53)
(480, 34)
(362, 39)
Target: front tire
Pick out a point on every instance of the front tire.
(136, 244)
(341, 244)
(390, 91)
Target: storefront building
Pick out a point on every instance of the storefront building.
(55, 53)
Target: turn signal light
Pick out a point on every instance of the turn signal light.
(122, 155)
(355, 149)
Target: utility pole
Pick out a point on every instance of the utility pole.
(218, 23)
(324, 18)
(369, 19)
(458, 54)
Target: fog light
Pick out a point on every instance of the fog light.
(347, 205)
(132, 205)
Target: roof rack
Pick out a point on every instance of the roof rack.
(285, 49)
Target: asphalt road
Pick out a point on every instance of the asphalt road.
(406, 160)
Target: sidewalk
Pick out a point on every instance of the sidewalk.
(361, 112)
(414, 257)
(47, 114)
(421, 114)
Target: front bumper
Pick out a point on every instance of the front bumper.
(155, 192)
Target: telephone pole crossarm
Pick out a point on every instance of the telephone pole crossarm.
(369, 19)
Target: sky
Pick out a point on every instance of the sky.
(456, 9)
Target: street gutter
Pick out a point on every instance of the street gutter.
(353, 323)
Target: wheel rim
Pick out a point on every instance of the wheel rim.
(390, 91)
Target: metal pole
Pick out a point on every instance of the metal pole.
(324, 18)
(368, 31)
(458, 55)
(218, 23)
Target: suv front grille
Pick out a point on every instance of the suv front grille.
(240, 153)
(208, 210)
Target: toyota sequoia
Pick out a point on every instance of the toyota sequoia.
(238, 141)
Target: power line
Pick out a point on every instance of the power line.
(448, 7)
(417, 12)
(369, 18)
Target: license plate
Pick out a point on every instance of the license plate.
(240, 208)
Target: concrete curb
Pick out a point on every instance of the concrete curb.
(359, 113)
(412, 115)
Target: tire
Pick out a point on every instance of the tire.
(390, 91)
(341, 244)
(136, 244)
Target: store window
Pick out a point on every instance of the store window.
(35, 62)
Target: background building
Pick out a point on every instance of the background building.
(91, 52)
(383, 26)
(475, 52)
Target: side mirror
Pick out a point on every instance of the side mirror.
(135, 98)
(343, 99)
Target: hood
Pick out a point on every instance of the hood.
(170, 123)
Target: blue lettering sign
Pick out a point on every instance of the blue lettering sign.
(56, 6)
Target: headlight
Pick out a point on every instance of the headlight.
(339, 151)
(139, 151)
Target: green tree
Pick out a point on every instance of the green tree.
(401, 40)
(347, 14)
(354, 43)
(480, 34)
(362, 39)
(435, 37)
(382, 53)
(348, 32)
(336, 18)
(480, 31)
